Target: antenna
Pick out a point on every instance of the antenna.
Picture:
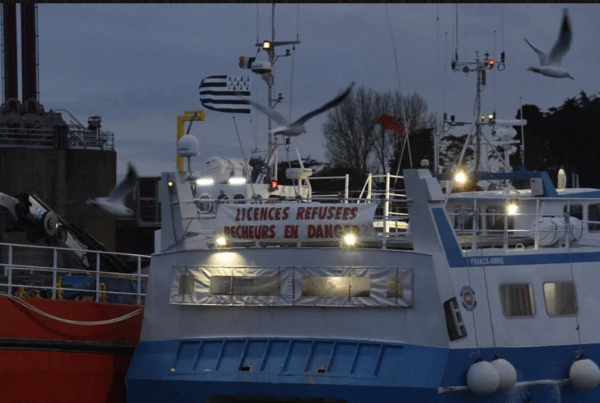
(481, 67)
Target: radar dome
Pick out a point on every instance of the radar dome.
(188, 146)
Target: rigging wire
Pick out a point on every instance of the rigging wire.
(494, 80)
(445, 75)
(502, 19)
(402, 106)
(456, 31)
(437, 89)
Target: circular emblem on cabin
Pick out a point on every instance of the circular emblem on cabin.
(467, 295)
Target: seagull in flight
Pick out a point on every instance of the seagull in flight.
(297, 128)
(114, 204)
(550, 65)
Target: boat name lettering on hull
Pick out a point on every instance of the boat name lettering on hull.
(485, 261)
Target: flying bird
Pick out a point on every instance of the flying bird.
(297, 128)
(550, 65)
(114, 204)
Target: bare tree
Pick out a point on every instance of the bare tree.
(349, 130)
(355, 139)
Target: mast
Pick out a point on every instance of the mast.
(269, 47)
(476, 135)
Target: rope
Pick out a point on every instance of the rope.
(27, 305)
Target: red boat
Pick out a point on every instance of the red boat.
(67, 334)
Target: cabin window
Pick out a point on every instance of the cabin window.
(454, 323)
(594, 215)
(560, 298)
(395, 287)
(575, 210)
(517, 300)
(336, 287)
(265, 286)
(186, 284)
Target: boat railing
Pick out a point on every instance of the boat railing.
(48, 272)
(538, 228)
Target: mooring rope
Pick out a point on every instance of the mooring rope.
(27, 305)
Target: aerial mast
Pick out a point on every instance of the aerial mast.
(267, 76)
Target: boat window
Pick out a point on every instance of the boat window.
(594, 215)
(517, 300)
(336, 287)
(395, 287)
(575, 210)
(454, 324)
(560, 298)
(245, 285)
(186, 284)
(495, 218)
(205, 207)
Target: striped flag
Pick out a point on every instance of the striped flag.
(222, 93)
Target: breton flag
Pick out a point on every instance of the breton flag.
(226, 93)
(389, 122)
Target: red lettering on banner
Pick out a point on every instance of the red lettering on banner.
(285, 213)
(299, 213)
(311, 231)
(255, 217)
(330, 212)
(353, 212)
(263, 214)
(272, 231)
(314, 213)
(346, 212)
(338, 213)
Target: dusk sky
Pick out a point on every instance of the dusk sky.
(138, 66)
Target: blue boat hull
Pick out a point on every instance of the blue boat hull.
(301, 370)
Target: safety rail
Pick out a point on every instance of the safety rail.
(41, 269)
(522, 229)
(92, 139)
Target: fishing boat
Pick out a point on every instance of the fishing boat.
(268, 293)
(71, 314)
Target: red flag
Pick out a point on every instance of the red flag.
(389, 123)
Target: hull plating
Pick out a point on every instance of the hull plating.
(295, 370)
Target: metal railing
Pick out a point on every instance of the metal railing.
(39, 270)
(521, 229)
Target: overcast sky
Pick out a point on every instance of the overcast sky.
(138, 66)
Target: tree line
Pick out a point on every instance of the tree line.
(565, 137)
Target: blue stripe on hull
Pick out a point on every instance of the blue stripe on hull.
(350, 371)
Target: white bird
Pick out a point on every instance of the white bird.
(550, 65)
(115, 202)
(297, 128)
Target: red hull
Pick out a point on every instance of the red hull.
(45, 361)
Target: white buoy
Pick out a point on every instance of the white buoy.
(507, 373)
(483, 378)
(584, 374)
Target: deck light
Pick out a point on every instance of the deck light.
(170, 184)
(512, 208)
(222, 241)
(350, 239)
(266, 45)
(205, 182)
(237, 181)
(460, 177)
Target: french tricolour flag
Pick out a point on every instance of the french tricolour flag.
(226, 93)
